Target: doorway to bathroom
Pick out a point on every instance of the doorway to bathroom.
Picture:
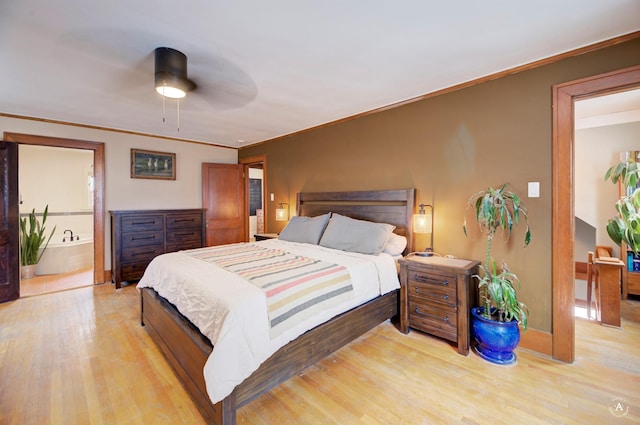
(67, 176)
(60, 180)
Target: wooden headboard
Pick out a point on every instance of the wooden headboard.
(395, 207)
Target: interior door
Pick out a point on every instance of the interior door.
(9, 233)
(223, 195)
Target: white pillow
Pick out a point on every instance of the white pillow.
(395, 245)
(304, 229)
(349, 234)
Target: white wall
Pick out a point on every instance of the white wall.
(57, 177)
(123, 192)
(597, 149)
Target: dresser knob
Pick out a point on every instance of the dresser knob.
(446, 296)
(446, 282)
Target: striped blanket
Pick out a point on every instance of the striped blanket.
(295, 287)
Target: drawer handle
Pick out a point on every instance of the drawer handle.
(133, 238)
(185, 234)
(417, 310)
(142, 253)
(420, 278)
(135, 223)
(183, 220)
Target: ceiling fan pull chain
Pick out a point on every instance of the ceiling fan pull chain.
(163, 112)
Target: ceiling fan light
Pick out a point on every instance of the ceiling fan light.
(171, 73)
(172, 92)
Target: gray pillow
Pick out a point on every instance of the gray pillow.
(304, 229)
(349, 234)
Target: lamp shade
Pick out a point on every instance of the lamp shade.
(282, 213)
(422, 223)
(171, 73)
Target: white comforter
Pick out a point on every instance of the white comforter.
(232, 312)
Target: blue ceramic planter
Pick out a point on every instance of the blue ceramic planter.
(495, 341)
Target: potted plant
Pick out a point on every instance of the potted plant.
(32, 239)
(496, 324)
(625, 227)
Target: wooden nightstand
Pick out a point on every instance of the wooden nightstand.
(265, 236)
(436, 294)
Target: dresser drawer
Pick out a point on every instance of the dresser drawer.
(137, 254)
(133, 271)
(192, 236)
(142, 238)
(433, 318)
(177, 221)
(140, 223)
(182, 245)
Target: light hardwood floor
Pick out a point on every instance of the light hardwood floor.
(48, 283)
(81, 357)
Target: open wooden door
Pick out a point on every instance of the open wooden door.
(223, 195)
(9, 225)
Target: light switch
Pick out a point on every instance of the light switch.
(272, 198)
(534, 189)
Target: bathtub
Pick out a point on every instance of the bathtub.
(65, 257)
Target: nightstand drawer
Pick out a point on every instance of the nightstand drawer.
(438, 279)
(434, 318)
(432, 291)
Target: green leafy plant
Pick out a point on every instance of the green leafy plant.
(499, 209)
(32, 237)
(625, 227)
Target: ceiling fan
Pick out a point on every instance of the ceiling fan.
(171, 73)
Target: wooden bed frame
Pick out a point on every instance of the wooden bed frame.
(187, 350)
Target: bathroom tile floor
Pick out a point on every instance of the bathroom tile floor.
(44, 284)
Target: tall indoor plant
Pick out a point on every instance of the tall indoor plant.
(32, 239)
(625, 227)
(495, 324)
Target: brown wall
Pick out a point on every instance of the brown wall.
(449, 147)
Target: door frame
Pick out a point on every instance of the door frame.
(563, 213)
(98, 193)
(248, 162)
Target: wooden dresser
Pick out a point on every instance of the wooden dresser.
(436, 296)
(139, 236)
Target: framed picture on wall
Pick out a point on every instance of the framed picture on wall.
(153, 165)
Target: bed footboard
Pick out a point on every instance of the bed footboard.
(186, 350)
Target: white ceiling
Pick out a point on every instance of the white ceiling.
(270, 68)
